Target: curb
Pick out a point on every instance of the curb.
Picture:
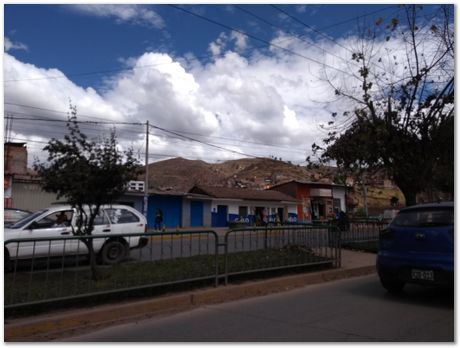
(49, 327)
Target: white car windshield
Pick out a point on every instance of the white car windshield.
(21, 223)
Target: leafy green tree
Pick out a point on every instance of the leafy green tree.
(403, 117)
(88, 174)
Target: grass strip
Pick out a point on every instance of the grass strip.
(24, 287)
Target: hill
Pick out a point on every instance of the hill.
(179, 174)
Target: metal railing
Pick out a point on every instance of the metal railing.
(59, 268)
(45, 270)
(361, 231)
(280, 247)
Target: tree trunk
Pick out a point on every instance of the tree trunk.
(92, 259)
(366, 209)
(410, 196)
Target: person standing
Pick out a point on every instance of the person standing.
(159, 220)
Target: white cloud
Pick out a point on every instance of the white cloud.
(216, 47)
(279, 99)
(224, 41)
(10, 45)
(240, 40)
(134, 14)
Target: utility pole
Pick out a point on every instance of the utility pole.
(146, 179)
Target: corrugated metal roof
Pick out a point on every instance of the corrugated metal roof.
(245, 194)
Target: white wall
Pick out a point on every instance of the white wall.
(233, 206)
(339, 193)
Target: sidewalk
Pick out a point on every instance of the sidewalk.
(49, 326)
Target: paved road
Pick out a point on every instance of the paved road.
(353, 310)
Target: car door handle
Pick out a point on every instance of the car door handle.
(106, 230)
(65, 232)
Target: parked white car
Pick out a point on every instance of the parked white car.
(114, 222)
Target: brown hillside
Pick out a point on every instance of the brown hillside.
(260, 172)
(180, 174)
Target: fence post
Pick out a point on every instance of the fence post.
(339, 248)
(226, 257)
(266, 237)
(216, 258)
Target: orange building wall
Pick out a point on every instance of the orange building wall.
(304, 208)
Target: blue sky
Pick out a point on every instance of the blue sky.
(186, 73)
(74, 41)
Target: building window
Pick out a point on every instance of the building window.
(136, 186)
(242, 211)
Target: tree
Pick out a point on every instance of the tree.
(403, 117)
(88, 174)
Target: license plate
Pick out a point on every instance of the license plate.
(418, 274)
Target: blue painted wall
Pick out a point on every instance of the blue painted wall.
(219, 218)
(171, 207)
(196, 213)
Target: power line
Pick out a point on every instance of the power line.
(77, 121)
(61, 112)
(235, 139)
(176, 134)
(35, 144)
(357, 17)
(310, 42)
(34, 117)
(202, 142)
(267, 43)
(322, 34)
(106, 72)
(310, 27)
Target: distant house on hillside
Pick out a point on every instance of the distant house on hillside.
(316, 200)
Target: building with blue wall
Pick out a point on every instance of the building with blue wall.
(207, 206)
(251, 207)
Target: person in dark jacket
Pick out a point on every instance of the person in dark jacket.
(158, 220)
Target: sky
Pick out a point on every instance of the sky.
(215, 82)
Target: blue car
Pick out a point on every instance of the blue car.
(418, 247)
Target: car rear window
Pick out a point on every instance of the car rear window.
(425, 217)
(121, 216)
